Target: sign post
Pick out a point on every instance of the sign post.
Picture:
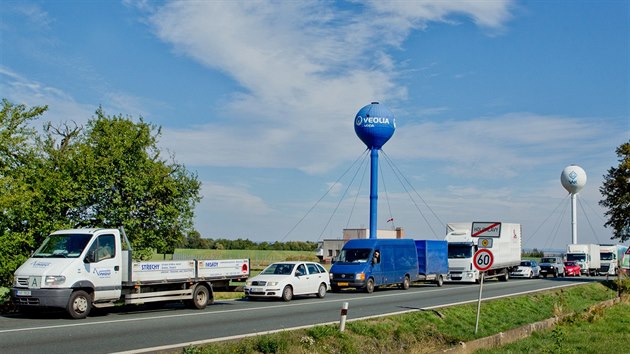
(482, 260)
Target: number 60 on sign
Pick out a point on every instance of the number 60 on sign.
(483, 259)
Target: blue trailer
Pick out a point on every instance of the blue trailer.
(432, 260)
(368, 263)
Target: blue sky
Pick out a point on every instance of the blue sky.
(492, 100)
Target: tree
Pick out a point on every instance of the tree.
(616, 192)
(17, 158)
(109, 174)
(130, 184)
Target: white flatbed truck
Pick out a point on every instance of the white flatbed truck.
(79, 269)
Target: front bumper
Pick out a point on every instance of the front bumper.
(465, 277)
(262, 291)
(347, 283)
(40, 297)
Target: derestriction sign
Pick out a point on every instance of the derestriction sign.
(486, 229)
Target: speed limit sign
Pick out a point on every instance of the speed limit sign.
(483, 259)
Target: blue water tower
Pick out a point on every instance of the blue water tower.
(374, 124)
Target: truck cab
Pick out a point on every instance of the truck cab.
(81, 261)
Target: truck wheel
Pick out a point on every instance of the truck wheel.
(405, 284)
(321, 292)
(201, 297)
(369, 287)
(439, 281)
(79, 304)
(505, 276)
(287, 293)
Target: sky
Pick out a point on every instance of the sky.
(492, 99)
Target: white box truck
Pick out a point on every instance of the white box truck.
(464, 239)
(610, 258)
(586, 255)
(83, 268)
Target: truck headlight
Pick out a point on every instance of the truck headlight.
(359, 276)
(52, 280)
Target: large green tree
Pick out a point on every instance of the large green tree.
(126, 182)
(616, 192)
(18, 161)
(109, 174)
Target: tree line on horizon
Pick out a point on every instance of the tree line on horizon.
(194, 241)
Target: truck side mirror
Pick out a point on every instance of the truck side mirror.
(90, 257)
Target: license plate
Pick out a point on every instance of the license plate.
(343, 283)
(256, 290)
(23, 293)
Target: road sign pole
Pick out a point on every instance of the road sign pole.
(479, 302)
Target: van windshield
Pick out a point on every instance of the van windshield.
(63, 246)
(354, 255)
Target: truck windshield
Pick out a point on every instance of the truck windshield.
(459, 251)
(63, 246)
(576, 257)
(354, 255)
(608, 256)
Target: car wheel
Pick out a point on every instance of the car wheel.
(287, 293)
(369, 287)
(79, 305)
(321, 292)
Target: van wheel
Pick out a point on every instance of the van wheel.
(201, 297)
(335, 288)
(406, 283)
(369, 287)
(321, 292)
(79, 304)
(287, 293)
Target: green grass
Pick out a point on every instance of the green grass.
(601, 330)
(429, 331)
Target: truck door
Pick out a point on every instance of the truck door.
(102, 267)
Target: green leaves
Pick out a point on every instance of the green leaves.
(108, 174)
(616, 192)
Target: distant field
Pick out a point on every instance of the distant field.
(257, 257)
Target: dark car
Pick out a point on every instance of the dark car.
(552, 266)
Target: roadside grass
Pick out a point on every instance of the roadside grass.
(601, 330)
(426, 331)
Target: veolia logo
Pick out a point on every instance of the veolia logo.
(371, 120)
(573, 177)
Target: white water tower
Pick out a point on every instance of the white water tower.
(573, 179)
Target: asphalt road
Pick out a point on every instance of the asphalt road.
(132, 329)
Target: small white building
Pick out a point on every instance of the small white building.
(329, 249)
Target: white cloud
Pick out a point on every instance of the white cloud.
(301, 65)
